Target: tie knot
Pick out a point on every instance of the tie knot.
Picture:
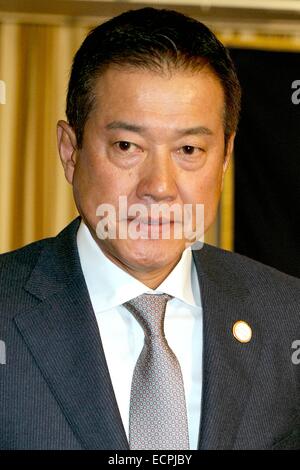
(149, 311)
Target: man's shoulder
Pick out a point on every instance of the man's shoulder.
(18, 263)
(15, 270)
(36, 270)
(253, 274)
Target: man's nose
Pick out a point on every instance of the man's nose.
(158, 178)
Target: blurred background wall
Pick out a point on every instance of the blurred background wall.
(37, 42)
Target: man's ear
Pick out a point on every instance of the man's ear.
(67, 147)
(228, 154)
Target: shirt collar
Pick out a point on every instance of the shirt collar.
(110, 286)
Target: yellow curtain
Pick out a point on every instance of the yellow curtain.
(35, 199)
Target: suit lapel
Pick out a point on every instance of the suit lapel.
(63, 337)
(228, 365)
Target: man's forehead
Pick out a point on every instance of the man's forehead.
(119, 84)
(115, 73)
(176, 102)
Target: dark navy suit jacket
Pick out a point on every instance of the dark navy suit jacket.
(55, 388)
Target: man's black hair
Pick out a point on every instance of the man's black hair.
(153, 39)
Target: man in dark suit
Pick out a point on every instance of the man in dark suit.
(152, 109)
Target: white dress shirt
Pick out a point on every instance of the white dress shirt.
(122, 337)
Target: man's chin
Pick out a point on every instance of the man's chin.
(146, 255)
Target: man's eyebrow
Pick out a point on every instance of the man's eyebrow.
(199, 130)
(126, 126)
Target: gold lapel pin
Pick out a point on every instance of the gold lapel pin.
(242, 331)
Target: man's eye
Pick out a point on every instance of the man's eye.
(190, 150)
(125, 146)
(128, 147)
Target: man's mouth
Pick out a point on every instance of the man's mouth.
(151, 221)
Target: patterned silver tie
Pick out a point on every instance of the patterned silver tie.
(157, 417)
